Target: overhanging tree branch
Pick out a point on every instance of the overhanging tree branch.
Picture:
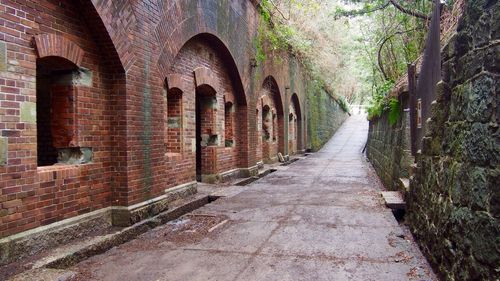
(407, 11)
(354, 13)
(379, 53)
(394, 3)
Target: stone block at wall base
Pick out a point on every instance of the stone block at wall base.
(230, 175)
(126, 216)
(30, 242)
(270, 160)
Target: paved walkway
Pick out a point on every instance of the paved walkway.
(320, 218)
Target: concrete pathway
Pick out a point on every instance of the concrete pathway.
(320, 218)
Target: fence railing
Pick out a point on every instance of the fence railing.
(422, 89)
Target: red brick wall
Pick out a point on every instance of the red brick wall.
(228, 123)
(195, 54)
(174, 121)
(270, 111)
(258, 131)
(32, 196)
(130, 47)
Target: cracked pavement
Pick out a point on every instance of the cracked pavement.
(319, 218)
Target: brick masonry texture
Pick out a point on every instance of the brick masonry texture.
(453, 203)
(124, 77)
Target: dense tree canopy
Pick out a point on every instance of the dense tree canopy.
(356, 48)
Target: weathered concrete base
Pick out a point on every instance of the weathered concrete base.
(318, 219)
(69, 255)
(104, 243)
(125, 216)
(231, 175)
(27, 243)
(249, 172)
(270, 160)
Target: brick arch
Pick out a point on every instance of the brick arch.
(295, 103)
(269, 84)
(212, 78)
(112, 24)
(186, 19)
(166, 58)
(175, 82)
(204, 78)
(53, 45)
(294, 100)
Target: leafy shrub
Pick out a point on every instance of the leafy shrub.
(380, 103)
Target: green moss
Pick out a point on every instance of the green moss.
(324, 114)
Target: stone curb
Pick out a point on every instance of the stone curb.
(104, 243)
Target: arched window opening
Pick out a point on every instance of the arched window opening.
(174, 121)
(57, 84)
(228, 123)
(267, 125)
(291, 127)
(206, 133)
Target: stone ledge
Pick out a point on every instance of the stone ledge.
(125, 216)
(29, 242)
(230, 175)
(270, 160)
(32, 241)
(68, 255)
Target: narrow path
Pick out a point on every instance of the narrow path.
(320, 218)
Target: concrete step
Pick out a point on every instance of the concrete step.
(394, 200)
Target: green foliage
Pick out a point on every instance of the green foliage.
(392, 38)
(265, 11)
(278, 36)
(379, 102)
(343, 104)
(260, 53)
(352, 47)
(394, 111)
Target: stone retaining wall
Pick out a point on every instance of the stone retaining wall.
(453, 203)
(388, 149)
